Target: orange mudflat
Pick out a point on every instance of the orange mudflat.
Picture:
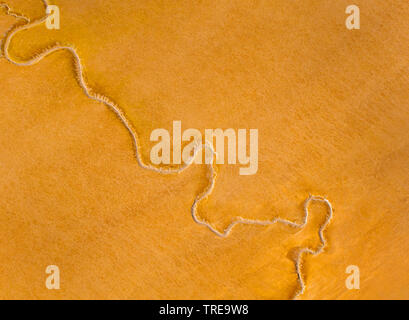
(204, 149)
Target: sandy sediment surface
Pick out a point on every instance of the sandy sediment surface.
(79, 104)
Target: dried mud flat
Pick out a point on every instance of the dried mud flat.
(80, 103)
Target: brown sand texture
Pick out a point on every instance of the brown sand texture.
(79, 191)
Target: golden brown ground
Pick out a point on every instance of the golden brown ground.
(332, 110)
